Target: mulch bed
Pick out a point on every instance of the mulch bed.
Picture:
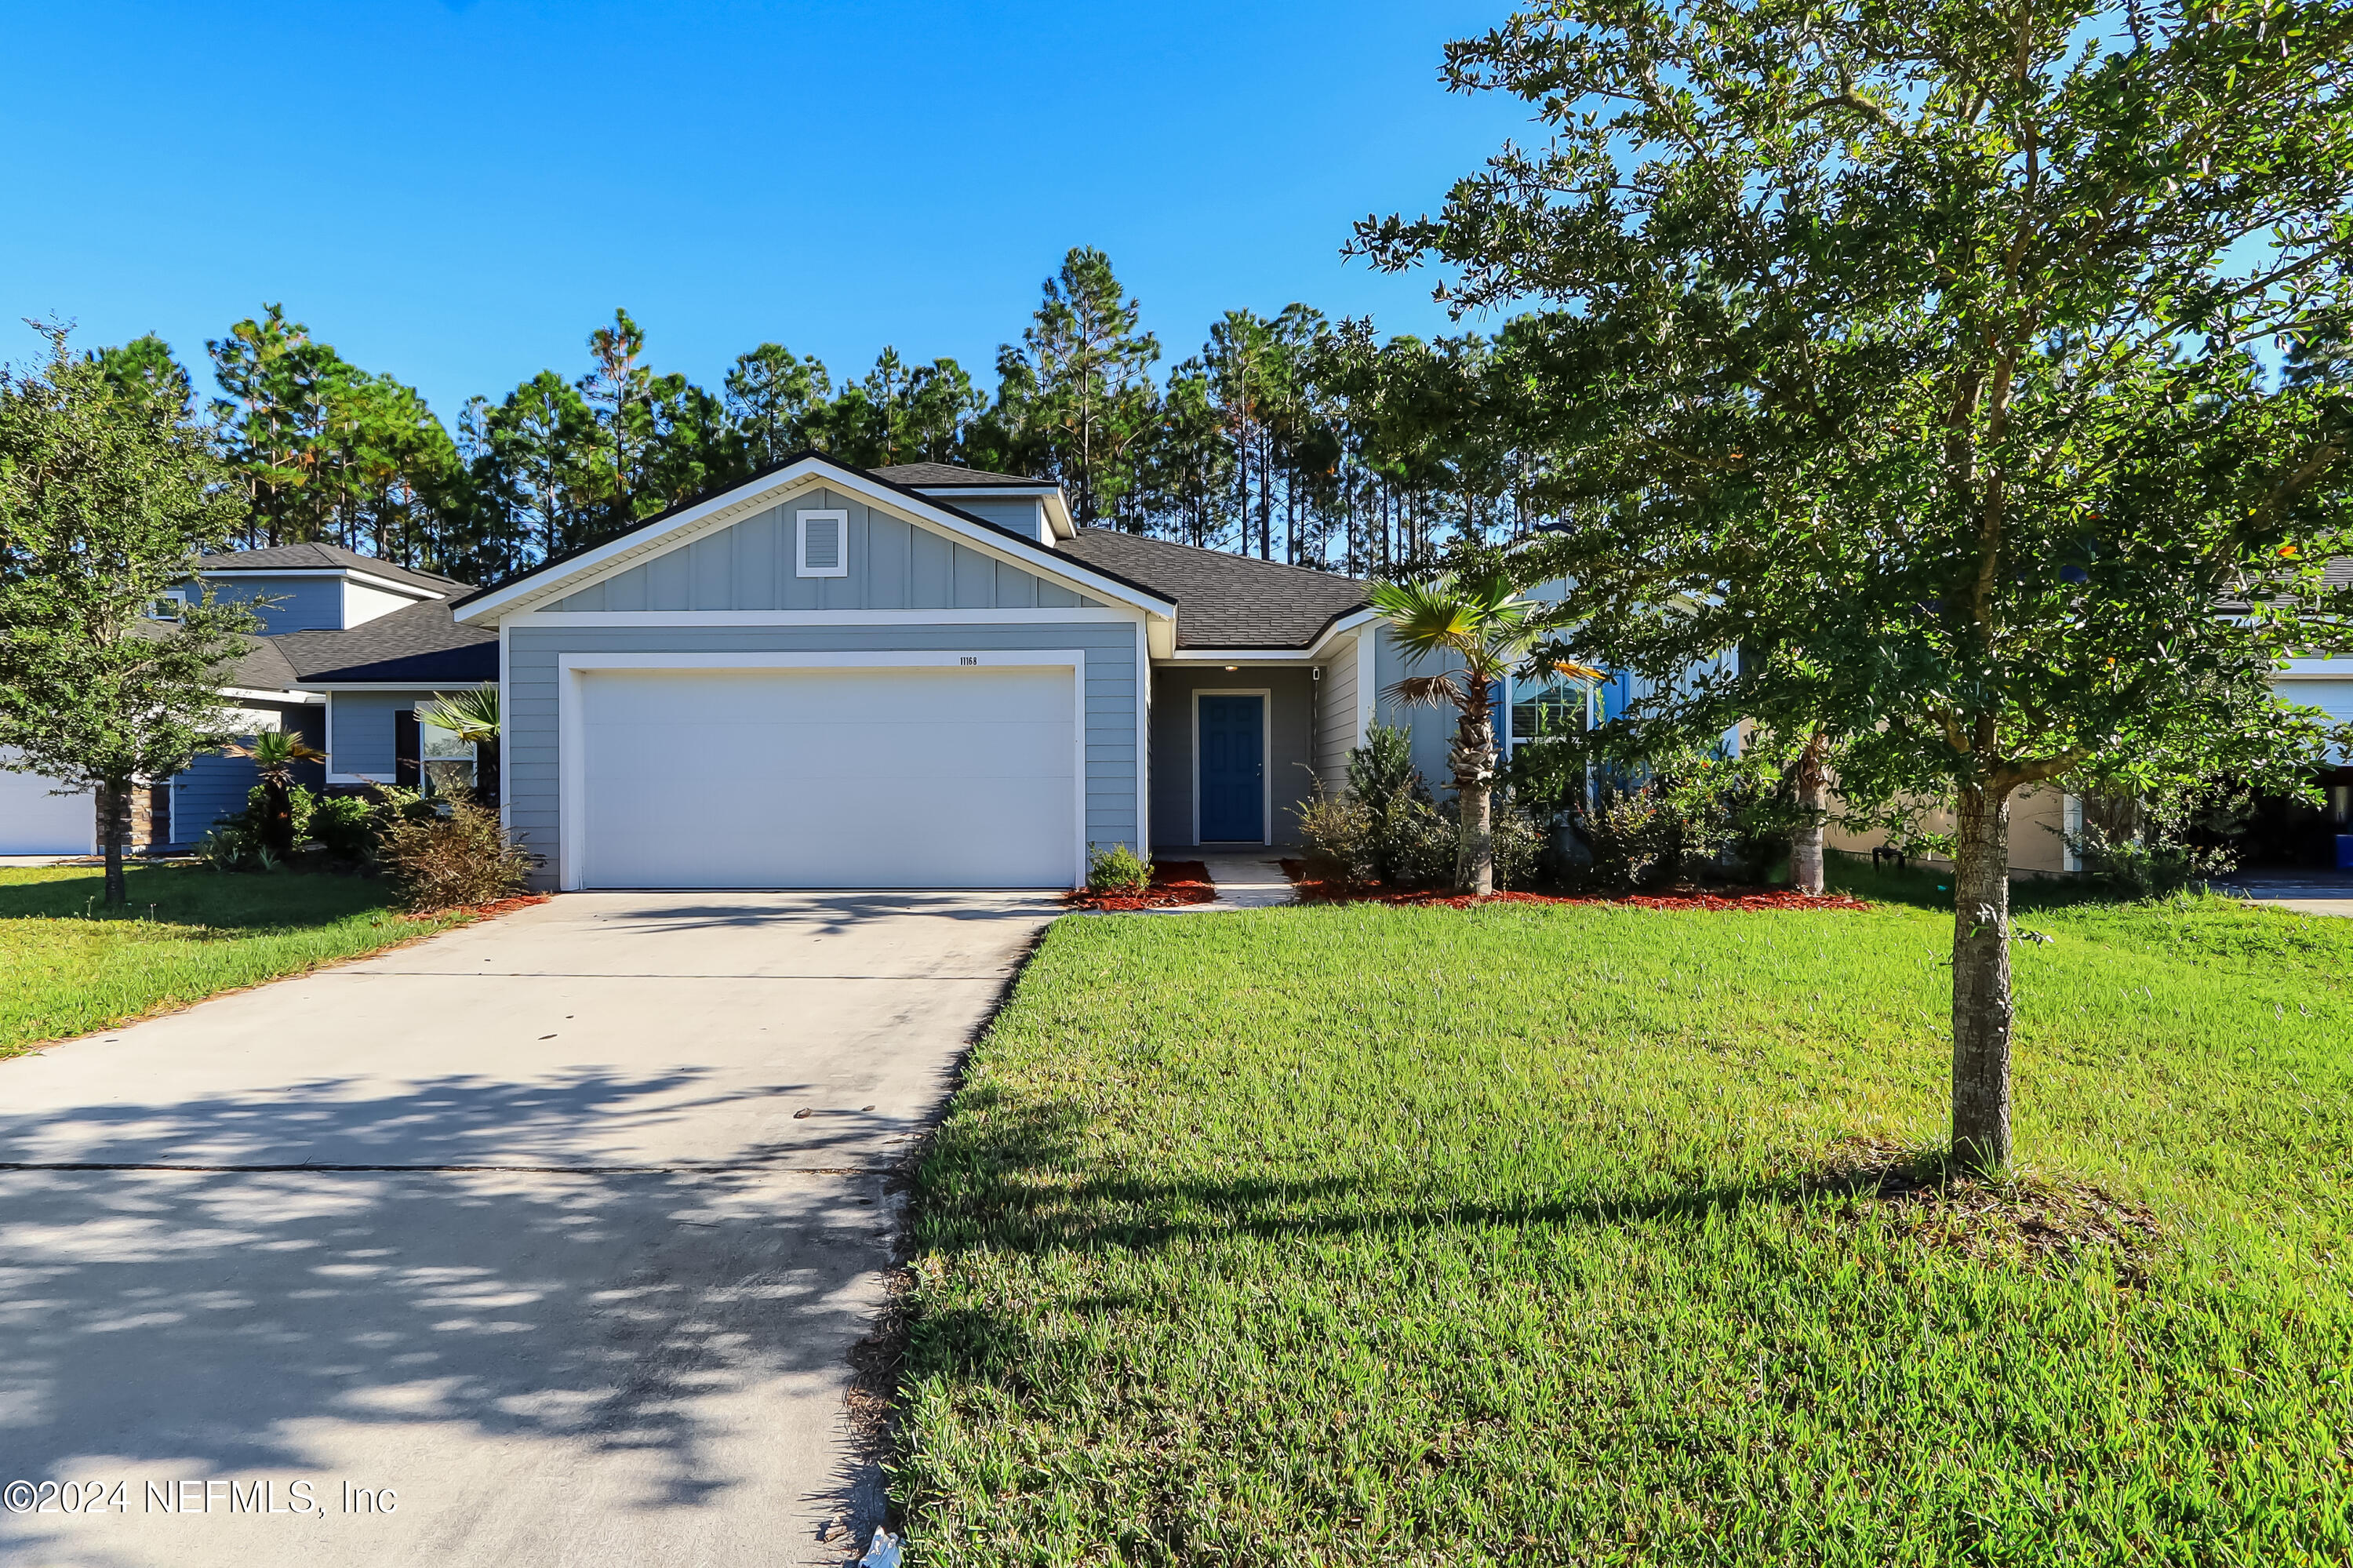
(1315, 890)
(1174, 882)
(485, 911)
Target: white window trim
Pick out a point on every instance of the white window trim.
(1265, 696)
(840, 518)
(178, 596)
(571, 756)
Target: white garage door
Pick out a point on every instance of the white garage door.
(827, 777)
(34, 821)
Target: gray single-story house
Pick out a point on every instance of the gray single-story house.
(915, 676)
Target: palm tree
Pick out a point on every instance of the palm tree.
(1476, 620)
(275, 752)
(472, 716)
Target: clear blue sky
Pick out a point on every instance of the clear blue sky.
(456, 192)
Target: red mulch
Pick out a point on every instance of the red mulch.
(1312, 890)
(1174, 882)
(485, 911)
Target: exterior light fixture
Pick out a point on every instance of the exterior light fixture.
(1231, 668)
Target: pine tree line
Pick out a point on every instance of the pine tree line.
(1292, 437)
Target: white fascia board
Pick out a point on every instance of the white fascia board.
(2314, 670)
(395, 685)
(1313, 653)
(256, 694)
(408, 589)
(657, 617)
(758, 495)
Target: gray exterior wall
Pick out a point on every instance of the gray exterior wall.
(215, 785)
(529, 758)
(893, 565)
(1335, 718)
(305, 604)
(1026, 515)
(361, 736)
(1293, 700)
(1431, 729)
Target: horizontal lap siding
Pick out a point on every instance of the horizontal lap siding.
(531, 758)
(1336, 718)
(893, 565)
(359, 731)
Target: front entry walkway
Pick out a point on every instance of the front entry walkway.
(543, 1242)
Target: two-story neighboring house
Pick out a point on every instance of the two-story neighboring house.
(351, 646)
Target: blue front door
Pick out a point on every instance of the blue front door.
(1233, 770)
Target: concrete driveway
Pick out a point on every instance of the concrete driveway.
(561, 1227)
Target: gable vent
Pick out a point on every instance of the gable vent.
(824, 544)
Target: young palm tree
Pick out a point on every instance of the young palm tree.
(1477, 622)
(274, 753)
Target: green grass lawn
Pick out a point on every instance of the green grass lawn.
(67, 969)
(1513, 1235)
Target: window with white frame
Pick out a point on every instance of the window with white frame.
(169, 605)
(1550, 708)
(447, 761)
(823, 544)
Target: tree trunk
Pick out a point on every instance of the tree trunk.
(1473, 761)
(113, 833)
(1982, 1005)
(1813, 791)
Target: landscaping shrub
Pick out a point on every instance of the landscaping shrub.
(1384, 829)
(1677, 816)
(442, 859)
(2147, 846)
(344, 826)
(1118, 869)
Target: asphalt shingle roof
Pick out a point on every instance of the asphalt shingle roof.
(419, 645)
(1222, 600)
(943, 475)
(331, 557)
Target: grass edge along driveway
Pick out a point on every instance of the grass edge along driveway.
(1418, 1235)
(67, 969)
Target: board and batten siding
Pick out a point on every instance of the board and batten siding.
(530, 757)
(893, 565)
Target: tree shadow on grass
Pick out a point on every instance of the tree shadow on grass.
(189, 898)
(1012, 1176)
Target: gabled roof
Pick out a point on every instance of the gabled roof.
(326, 558)
(421, 646)
(689, 514)
(1222, 600)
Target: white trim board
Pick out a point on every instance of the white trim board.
(347, 574)
(758, 495)
(1265, 695)
(571, 780)
(662, 618)
(395, 685)
(1311, 653)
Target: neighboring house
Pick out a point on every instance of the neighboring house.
(351, 646)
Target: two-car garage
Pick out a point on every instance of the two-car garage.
(928, 772)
